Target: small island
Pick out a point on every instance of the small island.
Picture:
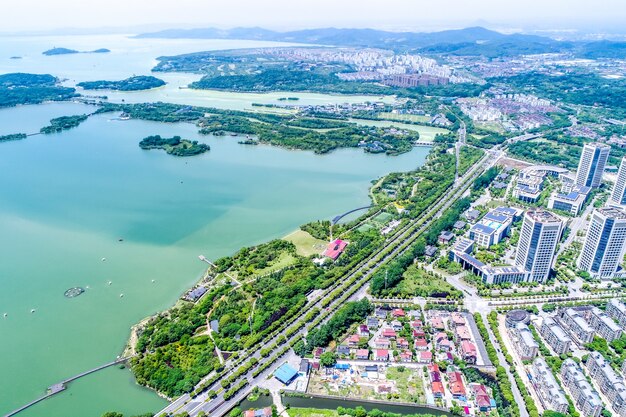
(137, 83)
(16, 57)
(63, 123)
(67, 51)
(13, 136)
(174, 146)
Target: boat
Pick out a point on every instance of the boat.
(104, 259)
(121, 295)
(32, 310)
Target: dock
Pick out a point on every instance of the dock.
(62, 386)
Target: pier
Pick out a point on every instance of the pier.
(61, 386)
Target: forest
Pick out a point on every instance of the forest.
(62, 123)
(137, 83)
(21, 88)
(174, 146)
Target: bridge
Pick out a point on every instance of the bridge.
(341, 216)
(61, 386)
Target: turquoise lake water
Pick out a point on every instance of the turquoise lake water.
(66, 199)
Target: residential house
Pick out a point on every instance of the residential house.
(468, 352)
(402, 343)
(549, 391)
(420, 344)
(425, 356)
(398, 312)
(382, 343)
(457, 388)
(354, 340)
(585, 397)
(388, 333)
(362, 354)
(406, 356)
(381, 355)
(363, 331)
(343, 350)
(555, 336)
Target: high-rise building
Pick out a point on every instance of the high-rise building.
(604, 243)
(541, 231)
(618, 196)
(591, 165)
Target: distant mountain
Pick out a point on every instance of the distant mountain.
(471, 41)
(349, 37)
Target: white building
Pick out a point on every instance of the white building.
(577, 325)
(618, 195)
(610, 383)
(550, 393)
(617, 310)
(604, 325)
(604, 243)
(585, 397)
(539, 236)
(556, 337)
(524, 342)
(591, 166)
(571, 201)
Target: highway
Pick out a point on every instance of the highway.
(395, 245)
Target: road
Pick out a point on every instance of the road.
(517, 395)
(398, 244)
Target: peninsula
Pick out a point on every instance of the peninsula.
(22, 88)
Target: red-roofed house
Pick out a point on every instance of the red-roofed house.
(381, 355)
(462, 333)
(382, 343)
(468, 352)
(425, 356)
(398, 312)
(437, 323)
(389, 333)
(417, 324)
(457, 388)
(406, 356)
(362, 354)
(457, 319)
(335, 248)
(441, 342)
(317, 352)
(421, 344)
(437, 389)
(419, 333)
(354, 340)
(483, 400)
(402, 343)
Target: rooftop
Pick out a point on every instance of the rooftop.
(542, 216)
(612, 212)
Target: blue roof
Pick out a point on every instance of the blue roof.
(342, 366)
(471, 260)
(495, 216)
(507, 210)
(481, 228)
(285, 373)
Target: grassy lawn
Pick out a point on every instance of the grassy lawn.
(311, 412)
(383, 217)
(408, 382)
(306, 245)
(284, 260)
(417, 282)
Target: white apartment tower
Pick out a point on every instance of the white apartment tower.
(591, 165)
(541, 231)
(604, 243)
(618, 195)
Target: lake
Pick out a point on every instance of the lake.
(67, 199)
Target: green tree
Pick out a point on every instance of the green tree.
(328, 359)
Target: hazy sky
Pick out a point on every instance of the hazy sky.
(289, 14)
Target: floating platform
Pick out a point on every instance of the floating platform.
(74, 292)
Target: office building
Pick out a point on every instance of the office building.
(604, 243)
(556, 337)
(571, 201)
(618, 195)
(591, 166)
(539, 236)
(585, 397)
